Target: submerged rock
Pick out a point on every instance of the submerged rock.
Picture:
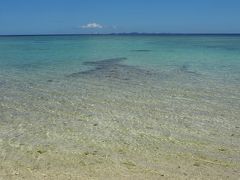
(197, 164)
(41, 151)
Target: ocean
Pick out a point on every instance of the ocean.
(120, 107)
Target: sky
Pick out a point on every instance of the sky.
(118, 16)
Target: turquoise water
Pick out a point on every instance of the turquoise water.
(120, 107)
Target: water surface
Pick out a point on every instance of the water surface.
(120, 107)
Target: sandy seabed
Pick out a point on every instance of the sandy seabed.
(116, 121)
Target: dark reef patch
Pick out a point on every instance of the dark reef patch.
(99, 66)
(141, 50)
(105, 62)
(39, 42)
(112, 69)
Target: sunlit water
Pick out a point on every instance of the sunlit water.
(120, 107)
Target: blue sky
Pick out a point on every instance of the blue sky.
(105, 16)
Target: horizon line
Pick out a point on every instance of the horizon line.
(123, 33)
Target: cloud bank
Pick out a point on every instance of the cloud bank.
(92, 26)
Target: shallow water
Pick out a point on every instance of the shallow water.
(120, 107)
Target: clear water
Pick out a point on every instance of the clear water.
(121, 107)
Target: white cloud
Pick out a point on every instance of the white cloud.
(92, 26)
